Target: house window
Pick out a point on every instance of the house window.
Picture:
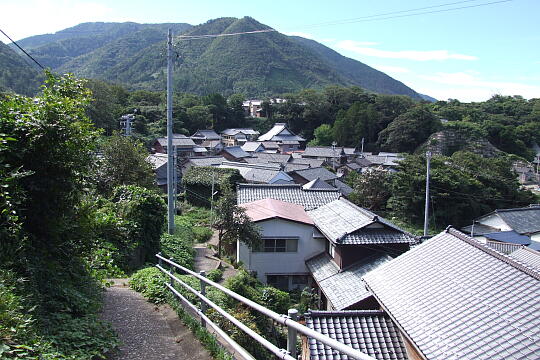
(278, 281)
(279, 245)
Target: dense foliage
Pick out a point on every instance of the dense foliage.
(198, 183)
(47, 154)
(16, 74)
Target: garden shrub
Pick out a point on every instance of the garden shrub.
(150, 282)
(215, 275)
(202, 234)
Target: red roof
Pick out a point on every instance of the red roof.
(270, 208)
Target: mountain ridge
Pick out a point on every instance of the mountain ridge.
(264, 64)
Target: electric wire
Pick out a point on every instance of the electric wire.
(24, 51)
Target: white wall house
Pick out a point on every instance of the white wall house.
(289, 239)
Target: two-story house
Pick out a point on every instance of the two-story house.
(238, 137)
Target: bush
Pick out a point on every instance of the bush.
(178, 247)
(215, 275)
(198, 183)
(202, 234)
(150, 282)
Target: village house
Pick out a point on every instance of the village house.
(201, 161)
(185, 146)
(508, 229)
(286, 139)
(453, 297)
(330, 155)
(204, 135)
(238, 137)
(259, 173)
(234, 153)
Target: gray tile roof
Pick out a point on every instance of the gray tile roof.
(289, 167)
(251, 146)
(479, 229)
(245, 131)
(178, 140)
(258, 173)
(309, 199)
(345, 189)
(326, 151)
(369, 331)
(206, 135)
(522, 220)
(276, 158)
(385, 160)
(206, 161)
(314, 173)
(527, 256)
(343, 288)
(317, 184)
(505, 248)
(279, 133)
(458, 299)
(314, 163)
(236, 151)
(345, 223)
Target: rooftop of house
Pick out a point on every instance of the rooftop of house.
(206, 161)
(157, 160)
(456, 298)
(343, 287)
(369, 331)
(293, 193)
(326, 151)
(211, 143)
(524, 220)
(509, 237)
(259, 173)
(236, 152)
(206, 135)
(251, 146)
(528, 257)
(314, 163)
(178, 140)
(314, 173)
(342, 222)
(275, 158)
(317, 184)
(266, 209)
(386, 160)
(279, 133)
(236, 131)
(345, 189)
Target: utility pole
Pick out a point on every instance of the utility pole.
(126, 122)
(362, 151)
(426, 209)
(334, 155)
(170, 150)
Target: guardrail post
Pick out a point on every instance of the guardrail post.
(159, 261)
(291, 333)
(204, 307)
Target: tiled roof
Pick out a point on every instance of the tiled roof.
(236, 151)
(309, 199)
(270, 208)
(251, 146)
(345, 189)
(245, 131)
(157, 160)
(270, 145)
(369, 331)
(206, 135)
(317, 184)
(385, 160)
(345, 223)
(505, 248)
(275, 158)
(458, 299)
(479, 229)
(211, 143)
(289, 167)
(522, 220)
(279, 133)
(527, 256)
(260, 173)
(206, 161)
(326, 151)
(343, 288)
(178, 140)
(314, 173)
(314, 163)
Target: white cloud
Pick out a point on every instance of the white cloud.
(467, 87)
(21, 19)
(392, 69)
(429, 55)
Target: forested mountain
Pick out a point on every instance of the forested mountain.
(17, 75)
(255, 65)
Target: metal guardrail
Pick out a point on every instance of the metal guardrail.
(287, 320)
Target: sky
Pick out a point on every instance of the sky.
(467, 54)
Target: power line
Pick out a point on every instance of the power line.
(375, 17)
(383, 16)
(24, 51)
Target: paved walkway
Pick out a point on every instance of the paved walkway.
(205, 259)
(147, 332)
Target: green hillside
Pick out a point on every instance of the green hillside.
(17, 75)
(255, 65)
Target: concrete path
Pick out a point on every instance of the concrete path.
(205, 259)
(147, 331)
